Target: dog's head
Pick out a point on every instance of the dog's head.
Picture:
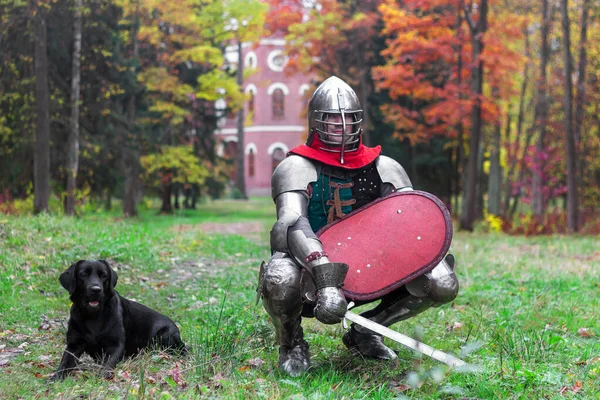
(89, 283)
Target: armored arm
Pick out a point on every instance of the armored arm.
(292, 234)
(393, 177)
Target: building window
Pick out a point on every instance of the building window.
(251, 162)
(251, 105)
(278, 104)
(230, 153)
(277, 157)
(276, 60)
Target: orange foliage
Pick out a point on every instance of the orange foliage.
(426, 38)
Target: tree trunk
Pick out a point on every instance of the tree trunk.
(508, 183)
(41, 157)
(131, 152)
(460, 148)
(509, 156)
(481, 182)
(73, 140)
(572, 209)
(538, 202)
(495, 179)
(240, 177)
(108, 199)
(580, 96)
(176, 189)
(167, 191)
(478, 29)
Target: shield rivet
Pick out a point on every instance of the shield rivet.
(349, 238)
(358, 271)
(418, 237)
(368, 265)
(399, 211)
(339, 244)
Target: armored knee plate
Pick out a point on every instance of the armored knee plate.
(439, 285)
(281, 279)
(280, 287)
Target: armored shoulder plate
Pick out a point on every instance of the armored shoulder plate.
(293, 173)
(392, 172)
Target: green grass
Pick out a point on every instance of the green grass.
(518, 318)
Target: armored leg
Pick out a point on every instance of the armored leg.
(437, 287)
(282, 300)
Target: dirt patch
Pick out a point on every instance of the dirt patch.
(233, 228)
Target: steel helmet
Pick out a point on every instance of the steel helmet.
(334, 105)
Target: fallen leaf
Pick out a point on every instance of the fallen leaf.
(574, 389)
(124, 375)
(255, 362)
(399, 387)
(584, 332)
(243, 368)
(215, 381)
(175, 374)
(454, 327)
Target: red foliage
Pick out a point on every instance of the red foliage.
(282, 14)
(6, 206)
(553, 222)
(427, 38)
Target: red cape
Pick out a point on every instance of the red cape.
(354, 159)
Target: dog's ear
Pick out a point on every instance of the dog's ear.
(67, 278)
(113, 274)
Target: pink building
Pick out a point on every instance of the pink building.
(275, 113)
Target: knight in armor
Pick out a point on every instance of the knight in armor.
(328, 177)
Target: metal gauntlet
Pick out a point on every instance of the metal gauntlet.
(331, 304)
(329, 275)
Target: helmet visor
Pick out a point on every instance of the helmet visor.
(339, 129)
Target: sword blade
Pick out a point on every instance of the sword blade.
(405, 340)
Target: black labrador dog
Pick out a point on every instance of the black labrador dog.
(105, 325)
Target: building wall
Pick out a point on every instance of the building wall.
(264, 135)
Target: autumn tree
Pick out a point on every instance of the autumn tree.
(172, 165)
(41, 157)
(332, 38)
(429, 43)
(571, 154)
(72, 164)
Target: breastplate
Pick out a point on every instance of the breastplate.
(338, 192)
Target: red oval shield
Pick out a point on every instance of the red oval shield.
(388, 242)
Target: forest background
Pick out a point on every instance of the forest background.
(491, 105)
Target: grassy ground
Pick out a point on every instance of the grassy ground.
(527, 315)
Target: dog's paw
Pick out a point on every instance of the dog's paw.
(109, 375)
